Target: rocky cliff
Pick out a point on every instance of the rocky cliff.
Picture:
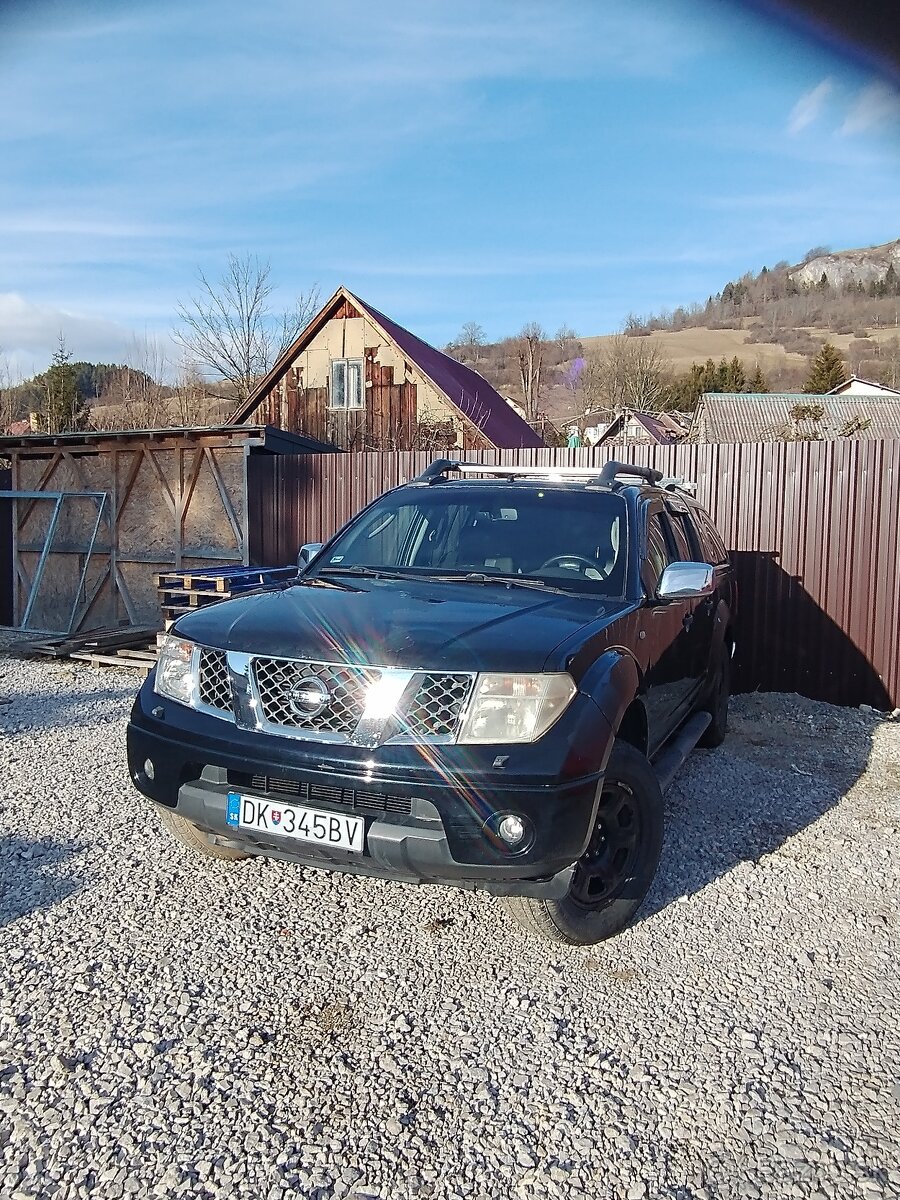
(849, 266)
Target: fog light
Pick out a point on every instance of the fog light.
(149, 769)
(512, 830)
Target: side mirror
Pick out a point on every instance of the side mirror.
(307, 554)
(685, 581)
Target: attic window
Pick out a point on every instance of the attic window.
(347, 383)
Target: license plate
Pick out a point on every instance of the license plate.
(290, 820)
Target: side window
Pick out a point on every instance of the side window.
(687, 538)
(712, 540)
(659, 549)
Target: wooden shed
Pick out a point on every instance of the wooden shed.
(95, 516)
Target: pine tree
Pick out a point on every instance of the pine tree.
(732, 375)
(757, 381)
(826, 371)
(63, 406)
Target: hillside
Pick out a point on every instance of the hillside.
(775, 320)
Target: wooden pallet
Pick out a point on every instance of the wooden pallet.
(224, 580)
(182, 592)
(121, 658)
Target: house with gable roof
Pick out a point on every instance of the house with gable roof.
(360, 381)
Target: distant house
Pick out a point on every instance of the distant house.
(790, 416)
(857, 386)
(642, 429)
(359, 380)
(17, 429)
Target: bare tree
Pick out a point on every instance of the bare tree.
(566, 340)
(626, 373)
(191, 403)
(7, 404)
(471, 339)
(229, 328)
(530, 346)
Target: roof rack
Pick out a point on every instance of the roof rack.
(613, 469)
(607, 474)
(678, 483)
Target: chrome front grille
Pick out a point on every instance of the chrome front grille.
(326, 702)
(280, 681)
(430, 710)
(215, 686)
(436, 706)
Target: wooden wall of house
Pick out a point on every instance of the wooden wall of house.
(397, 395)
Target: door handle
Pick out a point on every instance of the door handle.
(688, 620)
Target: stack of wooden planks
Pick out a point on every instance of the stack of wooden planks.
(120, 646)
(183, 591)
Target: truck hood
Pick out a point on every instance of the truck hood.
(408, 624)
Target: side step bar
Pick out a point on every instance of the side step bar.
(670, 760)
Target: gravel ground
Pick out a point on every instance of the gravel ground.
(174, 1027)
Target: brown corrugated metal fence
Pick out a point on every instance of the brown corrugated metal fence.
(6, 551)
(813, 528)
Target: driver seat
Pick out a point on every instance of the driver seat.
(478, 546)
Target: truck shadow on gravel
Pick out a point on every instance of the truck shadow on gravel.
(784, 762)
(33, 876)
(783, 765)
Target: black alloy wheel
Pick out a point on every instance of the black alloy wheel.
(607, 864)
(616, 871)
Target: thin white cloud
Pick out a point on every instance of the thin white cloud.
(809, 107)
(29, 333)
(876, 105)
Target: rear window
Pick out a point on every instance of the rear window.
(713, 546)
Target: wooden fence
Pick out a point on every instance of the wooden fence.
(812, 526)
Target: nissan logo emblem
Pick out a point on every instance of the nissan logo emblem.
(309, 696)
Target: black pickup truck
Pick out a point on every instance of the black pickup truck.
(485, 679)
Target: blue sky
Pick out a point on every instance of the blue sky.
(565, 161)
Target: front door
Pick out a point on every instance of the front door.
(667, 629)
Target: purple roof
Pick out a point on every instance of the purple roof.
(469, 391)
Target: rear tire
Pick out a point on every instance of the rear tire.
(717, 704)
(615, 873)
(189, 835)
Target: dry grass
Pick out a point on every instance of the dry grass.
(697, 345)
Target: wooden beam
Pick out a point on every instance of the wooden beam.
(45, 476)
(82, 615)
(122, 589)
(226, 500)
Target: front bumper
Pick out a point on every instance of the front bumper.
(431, 813)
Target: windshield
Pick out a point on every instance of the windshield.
(569, 539)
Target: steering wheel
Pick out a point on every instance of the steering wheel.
(572, 561)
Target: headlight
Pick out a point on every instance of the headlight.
(175, 670)
(516, 708)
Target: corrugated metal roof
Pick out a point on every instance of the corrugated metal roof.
(466, 389)
(660, 428)
(779, 416)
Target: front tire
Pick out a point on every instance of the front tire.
(614, 874)
(717, 703)
(195, 839)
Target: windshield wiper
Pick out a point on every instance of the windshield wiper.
(506, 580)
(367, 572)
